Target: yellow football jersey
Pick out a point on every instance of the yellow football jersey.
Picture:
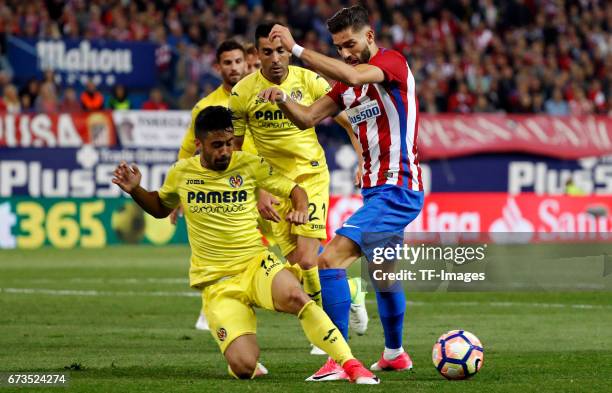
(218, 97)
(220, 210)
(290, 150)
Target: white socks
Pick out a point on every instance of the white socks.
(390, 354)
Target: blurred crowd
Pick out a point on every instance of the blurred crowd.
(514, 56)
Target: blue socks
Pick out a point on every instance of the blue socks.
(336, 297)
(391, 308)
(337, 302)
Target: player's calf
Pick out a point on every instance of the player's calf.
(305, 255)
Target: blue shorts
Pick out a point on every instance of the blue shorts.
(380, 222)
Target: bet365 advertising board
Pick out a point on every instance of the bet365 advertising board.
(64, 197)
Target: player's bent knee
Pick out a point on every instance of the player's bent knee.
(304, 258)
(241, 355)
(296, 299)
(325, 262)
(243, 367)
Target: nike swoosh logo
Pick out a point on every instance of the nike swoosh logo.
(314, 294)
(317, 377)
(350, 226)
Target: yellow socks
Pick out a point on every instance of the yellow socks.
(352, 288)
(312, 285)
(322, 332)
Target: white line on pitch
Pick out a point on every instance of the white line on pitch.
(98, 280)
(506, 304)
(71, 292)
(178, 280)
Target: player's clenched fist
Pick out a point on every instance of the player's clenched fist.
(273, 94)
(284, 34)
(297, 217)
(127, 177)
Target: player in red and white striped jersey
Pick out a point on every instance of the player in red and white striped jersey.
(376, 89)
(385, 119)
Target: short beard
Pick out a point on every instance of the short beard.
(220, 167)
(231, 82)
(212, 165)
(364, 56)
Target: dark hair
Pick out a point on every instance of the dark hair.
(263, 31)
(227, 46)
(355, 17)
(212, 118)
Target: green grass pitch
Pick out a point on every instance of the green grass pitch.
(124, 318)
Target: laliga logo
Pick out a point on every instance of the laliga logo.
(235, 181)
(511, 227)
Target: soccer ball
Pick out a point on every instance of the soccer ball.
(458, 354)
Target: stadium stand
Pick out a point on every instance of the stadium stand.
(517, 56)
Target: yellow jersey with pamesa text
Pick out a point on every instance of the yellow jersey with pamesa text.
(218, 97)
(291, 151)
(220, 210)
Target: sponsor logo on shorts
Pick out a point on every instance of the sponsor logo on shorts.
(221, 334)
(271, 264)
(317, 226)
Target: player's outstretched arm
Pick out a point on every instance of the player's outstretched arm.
(330, 67)
(302, 116)
(128, 179)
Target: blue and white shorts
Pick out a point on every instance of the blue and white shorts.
(380, 222)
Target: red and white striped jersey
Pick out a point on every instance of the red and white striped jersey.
(385, 118)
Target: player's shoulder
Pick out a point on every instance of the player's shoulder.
(203, 103)
(185, 164)
(200, 105)
(340, 87)
(246, 158)
(303, 73)
(388, 55)
(245, 85)
(215, 98)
